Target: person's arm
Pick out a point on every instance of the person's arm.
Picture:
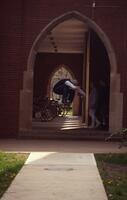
(80, 91)
(71, 85)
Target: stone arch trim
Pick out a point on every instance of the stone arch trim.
(116, 98)
(81, 17)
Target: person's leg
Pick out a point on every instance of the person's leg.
(93, 118)
(102, 117)
(66, 92)
(71, 95)
(98, 123)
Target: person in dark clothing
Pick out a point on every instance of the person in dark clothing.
(93, 106)
(103, 103)
(67, 88)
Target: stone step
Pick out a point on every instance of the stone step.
(69, 127)
(77, 134)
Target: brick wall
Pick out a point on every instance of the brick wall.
(22, 20)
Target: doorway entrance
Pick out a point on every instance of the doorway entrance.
(85, 25)
(63, 72)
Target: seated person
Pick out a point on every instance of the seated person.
(67, 89)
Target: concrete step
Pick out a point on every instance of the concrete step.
(77, 134)
(69, 127)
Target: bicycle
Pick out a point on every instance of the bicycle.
(44, 109)
(63, 108)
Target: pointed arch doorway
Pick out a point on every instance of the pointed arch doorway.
(26, 95)
(63, 72)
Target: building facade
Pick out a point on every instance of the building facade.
(25, 25)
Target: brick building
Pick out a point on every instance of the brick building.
(36, 37)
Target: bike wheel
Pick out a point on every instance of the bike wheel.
(46, 115)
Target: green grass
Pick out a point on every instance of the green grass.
(113, 158)
(10, 164)
(113, 170)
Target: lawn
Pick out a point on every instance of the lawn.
(10, 164)
(113, 170)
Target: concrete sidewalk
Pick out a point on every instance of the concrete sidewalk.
(57, 176)
(63, 169)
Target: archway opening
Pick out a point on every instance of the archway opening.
(61, 72)
(68, 41)
(86, 25)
